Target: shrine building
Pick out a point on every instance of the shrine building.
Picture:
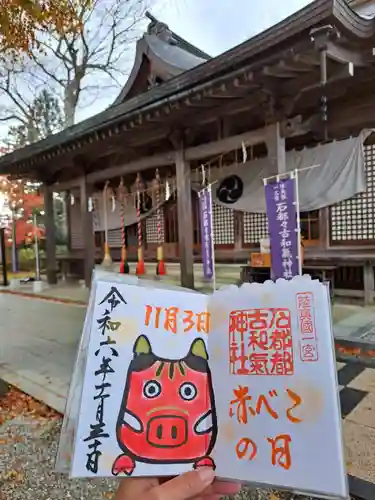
(297, 96)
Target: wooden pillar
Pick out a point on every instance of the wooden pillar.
(368, 281)
(324, 227)
(87, 231)
(49, 221)
(275, 149)
(185, 220)
(238, 230)
(68, 220)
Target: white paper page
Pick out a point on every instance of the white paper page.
(67, 435)
(274, 376)
(155, 430)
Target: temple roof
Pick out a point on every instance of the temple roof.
(162, 54)
(357, 3)
(281, 63)
(365, 8)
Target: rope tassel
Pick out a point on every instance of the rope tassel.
(140, 270)
(160, 266)
(124, 265)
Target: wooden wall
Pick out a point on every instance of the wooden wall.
(350, 224)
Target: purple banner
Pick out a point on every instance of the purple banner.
(282, 226)
(205, 212)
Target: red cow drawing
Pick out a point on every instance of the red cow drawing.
(167, 414)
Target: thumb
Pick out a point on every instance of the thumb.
(185, 486)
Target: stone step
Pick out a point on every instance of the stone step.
(223, 271)
(225, 275)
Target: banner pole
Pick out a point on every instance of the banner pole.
(296, 198)
(265, 182)
(286, 174)
(209, 188)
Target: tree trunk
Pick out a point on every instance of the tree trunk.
(69, 112)
(69, 105)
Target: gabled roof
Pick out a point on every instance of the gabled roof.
(284, 52)
(357, 3)
(164, 55)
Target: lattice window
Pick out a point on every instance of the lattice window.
(255, 227)
(354, 219)
(152, 228)
(223, 221)
(114, 238)
(76, 238)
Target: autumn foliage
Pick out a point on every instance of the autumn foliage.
(15, 404)
(24, 230)
(21, 20)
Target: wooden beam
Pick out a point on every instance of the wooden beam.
(225, 145)
(185, 219)
(297, 126)
(357, 114)
(342, 55)
(164, 159)
(278, 72)
(192, 153)
(276, 149)
(291, 65)
(221, 109)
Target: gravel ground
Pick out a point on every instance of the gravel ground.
(29, 436)
(27, 461)
(28, 450)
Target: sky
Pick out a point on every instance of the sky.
(212, 25)
(218, 25)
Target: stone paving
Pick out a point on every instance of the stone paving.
(38, 343)
(358, 326)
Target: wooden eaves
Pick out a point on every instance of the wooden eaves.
(282, 61)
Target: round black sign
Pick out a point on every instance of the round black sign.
(230, 189)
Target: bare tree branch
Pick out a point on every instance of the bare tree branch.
(11, 118)
(99, 52)
(75, 66)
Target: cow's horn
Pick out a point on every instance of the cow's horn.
(142, 346)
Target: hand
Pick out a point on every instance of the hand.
(195, 484)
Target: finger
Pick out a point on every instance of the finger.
(130, 488)
(188, 485)
(165, 479)
(222, 488)
(226, 487)
(209, 497)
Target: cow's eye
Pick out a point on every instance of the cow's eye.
(152, 389)
(188, 391)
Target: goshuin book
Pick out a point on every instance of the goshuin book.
(243, 381)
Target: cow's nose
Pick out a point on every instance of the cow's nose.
(173, 430)
(166, 431)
